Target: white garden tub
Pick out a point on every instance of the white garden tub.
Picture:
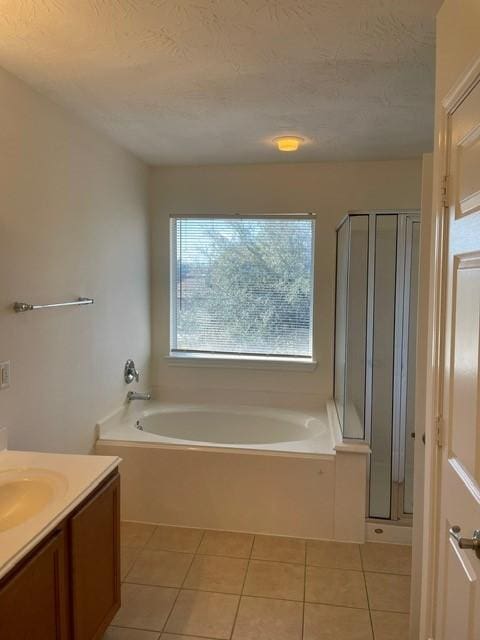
(230, 427)
(237, 468)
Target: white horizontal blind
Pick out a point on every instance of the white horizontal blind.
(242, 286)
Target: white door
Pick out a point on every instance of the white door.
(457, 611)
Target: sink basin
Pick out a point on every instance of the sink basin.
(26, 492)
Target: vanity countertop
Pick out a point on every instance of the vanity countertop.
(74, 478)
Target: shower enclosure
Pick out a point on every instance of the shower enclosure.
(375, 327)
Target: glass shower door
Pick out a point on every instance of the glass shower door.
(383, 361)
(409, 363)
(356, 329)
(375, 327)
(351, 325)
(341, 320)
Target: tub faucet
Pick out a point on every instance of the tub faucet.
(137, 395)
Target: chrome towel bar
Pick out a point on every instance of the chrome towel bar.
(23, 306)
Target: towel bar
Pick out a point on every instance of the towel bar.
(23, 306)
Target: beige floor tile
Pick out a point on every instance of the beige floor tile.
(210, 615)
(217, 573)
(387, 558)
(333, 555)
(267, 619)
(275, 580)
(135, 534)
(145, 607)
(161, 568)
(127, 558)
(175, 636)
(224, 543)
(390, 626)
(336, 586)
(336, 623)
(175, 539)
(118, 633)
(387, 592)
(280, 549)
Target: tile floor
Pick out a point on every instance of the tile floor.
(185, 584)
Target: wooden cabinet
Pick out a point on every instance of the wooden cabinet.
(34, 601)
(68, 588)
(95, 563)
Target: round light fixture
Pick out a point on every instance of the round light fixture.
(288, 143)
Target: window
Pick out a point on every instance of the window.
(242, 286)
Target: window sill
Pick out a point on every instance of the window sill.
(241, 362)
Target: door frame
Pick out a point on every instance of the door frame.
(435, 355)
(404, 435)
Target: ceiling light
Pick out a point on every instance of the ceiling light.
(288, 143)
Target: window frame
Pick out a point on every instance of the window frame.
(243, 360)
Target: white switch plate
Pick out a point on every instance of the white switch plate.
(5, 374)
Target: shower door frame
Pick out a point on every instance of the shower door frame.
(398, 503)
(405, 219)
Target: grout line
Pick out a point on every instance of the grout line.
(242, 590)
(368, 599)
(295, 564)
(251, 546)
(137, 552)
(189, 635)
(331, 568)
(402, 613)
(227, 593)
(290, 562)
(304, 592)
(117, 626)
(303, 619)
(389, 573)
(222, 555)
(334, 604)
(298, 564)
(184, 588)
(177, 596)
(151, 536)
(200, 542)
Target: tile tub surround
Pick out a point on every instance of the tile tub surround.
(232, 586)
(296, 492)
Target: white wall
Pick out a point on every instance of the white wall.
(73, 221)
(457, 42)
(330, 190)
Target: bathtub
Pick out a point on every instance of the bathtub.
(238, 468)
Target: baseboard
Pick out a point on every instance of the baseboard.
(389, 533)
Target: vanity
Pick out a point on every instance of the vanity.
(59, 545)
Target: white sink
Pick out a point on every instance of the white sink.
(26, 492)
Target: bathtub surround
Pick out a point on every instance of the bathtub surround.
(74, 222)
(241, 469)
(327, 189)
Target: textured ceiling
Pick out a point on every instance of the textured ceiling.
(213, 81)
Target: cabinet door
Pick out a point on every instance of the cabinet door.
(95, 562)
(34, 601)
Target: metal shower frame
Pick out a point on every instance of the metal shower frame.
(406, 218)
